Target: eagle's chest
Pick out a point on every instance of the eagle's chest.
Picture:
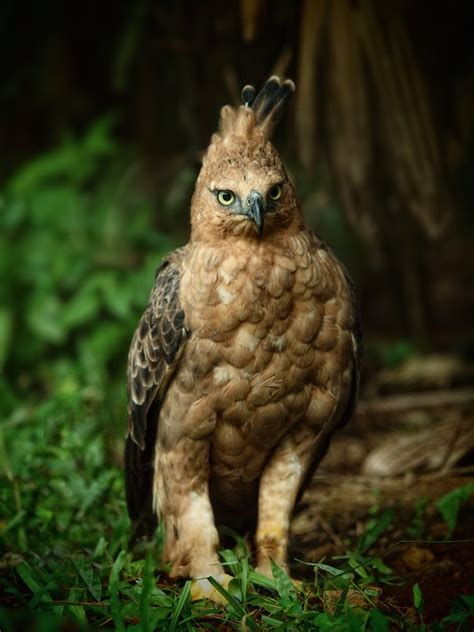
(237, 300)
(240, 309)
(253, 325)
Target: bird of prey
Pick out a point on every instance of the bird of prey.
(245, 360)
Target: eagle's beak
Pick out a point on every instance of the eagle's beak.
(256, 209)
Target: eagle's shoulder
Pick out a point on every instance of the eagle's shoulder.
(156, 344)
(323, 254)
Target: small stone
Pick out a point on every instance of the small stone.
(416, 558)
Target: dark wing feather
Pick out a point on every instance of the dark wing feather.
(154, 354)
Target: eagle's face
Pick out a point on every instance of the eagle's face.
(243, 190)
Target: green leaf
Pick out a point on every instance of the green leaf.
(468, 602)
(374, 529)
(450, 504)
(325, 622)
(261, 580)
(234, 604)
(379, 621)
(462, 608)
(95, 491)
(55, 163)
(98, 140)
(244, 578)
(115, 605)
(45, 318)
(77, 610)
(182, 601)
(283, 583)
(147, 586)
(91, 580)
(118, 296)
(76, 160)
(81, 309)
(25, 571)
(100, 548)
(331, 570)
(380, 566)
(418, 598)
(274, 623)
(231, 560)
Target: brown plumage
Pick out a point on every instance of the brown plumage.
(245, 360)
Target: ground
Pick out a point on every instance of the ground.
(335, 510)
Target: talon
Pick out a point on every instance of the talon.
(297, 583)
(203, 589)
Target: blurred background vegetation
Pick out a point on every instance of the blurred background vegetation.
(106, 109)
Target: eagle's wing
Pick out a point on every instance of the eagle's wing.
(357, 348)
(154, 354)
(353, 391)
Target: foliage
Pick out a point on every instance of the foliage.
(77, 255)
(450, 504)
(462, 613)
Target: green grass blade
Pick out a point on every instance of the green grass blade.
(115, 606)
(147, 585)
(418, 598)
(234, 604)
(39, 592)
(182, 601)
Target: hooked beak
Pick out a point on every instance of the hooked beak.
(256, 210)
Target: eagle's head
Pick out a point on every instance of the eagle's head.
(243, 189)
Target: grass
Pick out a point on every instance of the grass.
(64, 538)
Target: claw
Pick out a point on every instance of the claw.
(203, 589)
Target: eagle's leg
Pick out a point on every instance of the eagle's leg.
(181, 499)
(279, 486)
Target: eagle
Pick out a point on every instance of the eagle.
(246, 358)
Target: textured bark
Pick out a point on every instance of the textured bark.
(306, 114)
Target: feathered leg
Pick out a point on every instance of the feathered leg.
(181, 497)
(279, 487)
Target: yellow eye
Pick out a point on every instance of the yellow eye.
(275, 192)
(226, 198)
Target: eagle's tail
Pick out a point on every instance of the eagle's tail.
(138, 489)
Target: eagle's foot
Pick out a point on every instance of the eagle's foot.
(203, 589)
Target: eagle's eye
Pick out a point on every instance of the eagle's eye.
(275, 192)
(225, 198)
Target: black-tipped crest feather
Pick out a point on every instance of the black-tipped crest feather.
(247, 95)
(270, 102)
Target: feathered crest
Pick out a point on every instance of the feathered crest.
(262, 111)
